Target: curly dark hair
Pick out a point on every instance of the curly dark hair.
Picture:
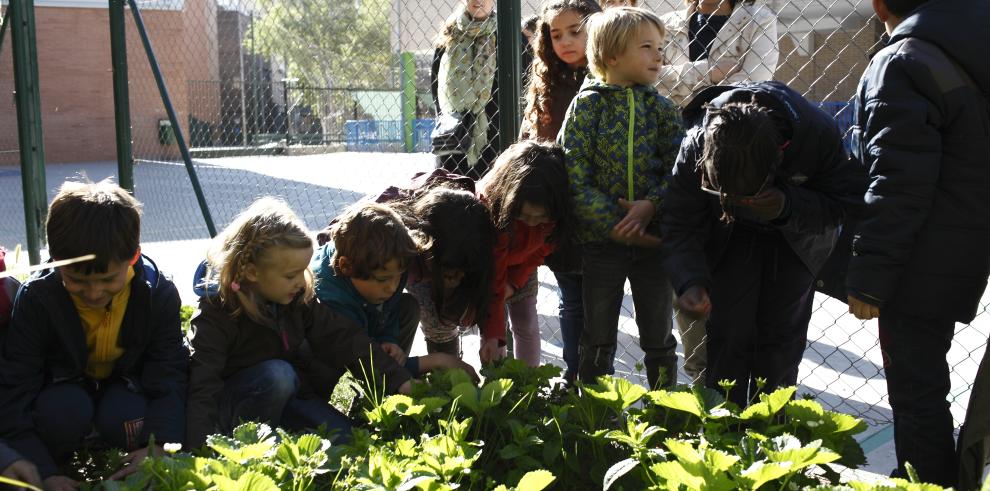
(742, 149)
(548, 70)
(530, 172)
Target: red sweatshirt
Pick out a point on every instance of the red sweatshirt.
(514, 264)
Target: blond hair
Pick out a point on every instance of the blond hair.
(609, 33)
(266, 224)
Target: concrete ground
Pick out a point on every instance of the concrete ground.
(842, 363)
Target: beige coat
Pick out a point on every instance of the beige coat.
(749, 38)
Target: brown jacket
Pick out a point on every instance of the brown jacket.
(319, 343)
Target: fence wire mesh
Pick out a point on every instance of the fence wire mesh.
(300, 98)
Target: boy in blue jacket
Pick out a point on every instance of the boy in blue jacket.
(94, 345)
(361, 273)
(620, 139)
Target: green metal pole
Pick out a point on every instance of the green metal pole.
(408, 72)
(29, 130)
(170, 110)
(509, 70)
(121, 98)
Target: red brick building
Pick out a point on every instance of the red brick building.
(73, 41)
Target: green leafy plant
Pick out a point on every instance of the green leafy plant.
(521, 430)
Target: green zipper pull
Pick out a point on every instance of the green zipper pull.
(629, 142)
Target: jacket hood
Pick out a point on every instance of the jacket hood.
(592, 83)
(959, 28)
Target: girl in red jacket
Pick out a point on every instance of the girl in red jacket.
(531, 208)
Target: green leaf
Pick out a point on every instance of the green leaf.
(249, 481)
(680, 401)
(719, 461)
(536, 480)
(779, 398)
(252, 433)
(467, 396)
(618, 470)
(615, 393)
(493, 392)
(676, 474)
(787, 448)
(762, 472)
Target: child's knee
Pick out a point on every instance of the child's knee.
(63, 413)
(277, 379)
(120, 416)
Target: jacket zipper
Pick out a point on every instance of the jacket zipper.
(629, 141)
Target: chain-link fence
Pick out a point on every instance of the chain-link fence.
(283, 97)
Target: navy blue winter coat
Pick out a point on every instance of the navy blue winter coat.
(923, 247)
(46, 344)
(820, 183)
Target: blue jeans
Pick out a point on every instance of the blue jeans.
(606, 267)
(571, 318)
(267, 393)
(65, 413)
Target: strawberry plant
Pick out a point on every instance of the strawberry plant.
(521, 431)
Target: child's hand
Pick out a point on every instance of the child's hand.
(509, 291)
(638, 216)
(862, 310)
(490, 351)
(768, 205)
(24, 471)
(695, 302)
(132, 462)
(395, 352)
(723, 70)
(646, 240)
(60, 483)
(434, 361)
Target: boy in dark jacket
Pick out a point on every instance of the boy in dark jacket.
(759, 190)
(921, 256)
(94, 345)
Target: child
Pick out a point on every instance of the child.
(361, 273)
(621, 137)
(557, 73)
(451, 280)
(95, 344)
(263, 349)
(753, 208)
(526, 192)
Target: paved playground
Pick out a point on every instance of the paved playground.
(842, 365)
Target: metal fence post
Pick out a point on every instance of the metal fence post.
(173, 118)
(29, 129)
(408, 99)
(121, 97)
(509, 34)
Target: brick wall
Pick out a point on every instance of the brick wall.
(76, 81)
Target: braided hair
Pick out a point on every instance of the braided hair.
(267, 224)
(741, 149)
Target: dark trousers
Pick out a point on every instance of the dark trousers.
(761, 305)
(65, 413)
(267, 392)
(606, 267)
(917, 374)
(408, 321)
(571, 313)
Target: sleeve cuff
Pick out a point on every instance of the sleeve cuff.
(412, 365)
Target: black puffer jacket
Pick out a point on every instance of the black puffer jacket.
(46, 344)
(820, 184)
(923, 247)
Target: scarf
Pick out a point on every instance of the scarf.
(467, 72)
